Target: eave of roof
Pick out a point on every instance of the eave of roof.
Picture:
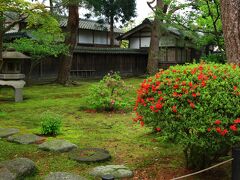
(144, 24)
(91, 25)
(97, 50)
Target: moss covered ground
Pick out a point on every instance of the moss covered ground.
(129, 143)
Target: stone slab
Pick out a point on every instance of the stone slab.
(118, 171)
(90, 155)
(12, 76)
(63, 176)
(17, 84)
(5, 132)
(25, 138)
(57, 145)
(5, 174)
(19, 168)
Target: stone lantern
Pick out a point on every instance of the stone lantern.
(10, 72)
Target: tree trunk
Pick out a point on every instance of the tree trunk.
(71, 41)
(153, 55)
(1, 39)
(51, 6)
(230, 12)
(111, 34)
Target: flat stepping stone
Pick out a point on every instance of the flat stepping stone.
(57, 145)
(25, 139)
(18, 168)
(117, 171)
(90, 155)
(63, 176)
(6, 174)
(5, 132)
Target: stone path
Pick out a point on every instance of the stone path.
(63, 176)
(25, 139)
(16, 169)
(118, 171)
(89, 155)
(57, 145)
(8, 132)
(20, 168)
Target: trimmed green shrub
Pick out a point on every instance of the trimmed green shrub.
(184, 103)
(50, 123)
(108, 94)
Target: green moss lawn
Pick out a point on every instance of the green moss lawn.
(128, 143)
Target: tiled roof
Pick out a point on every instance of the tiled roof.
(97, 50)
(148, 23)
(91, 25)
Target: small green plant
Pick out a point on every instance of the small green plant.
(109, 94)
(50, 123)
(196, 106)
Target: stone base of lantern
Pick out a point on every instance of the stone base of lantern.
(17, 85)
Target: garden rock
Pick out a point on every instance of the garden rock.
(118, 171)
(57, 145)
(90, 155)
(63, 176)
(6, 174)
(17, 168)
(25, 139)
(7, 132)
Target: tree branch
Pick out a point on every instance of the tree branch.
(149, 4)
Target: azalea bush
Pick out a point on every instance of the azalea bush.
(109, 94)
(196, 106)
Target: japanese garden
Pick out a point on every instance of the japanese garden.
(119, 89)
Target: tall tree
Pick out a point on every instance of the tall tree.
(230, 12)
(70, 41)
(114, 11)
(163, 10)
(153, 54)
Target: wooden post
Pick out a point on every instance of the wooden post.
(236, 163)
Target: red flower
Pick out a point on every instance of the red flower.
(184, 83)
(174, 109)
(218, 129)
(159, 106)
(237, 121)
(152, 108)
(175, 94)
(217, 122)
(142, 123)
(192, 105)
(233, 127)
(190, 84)
(209, 129)
(194, 95)
(203, 83)
(200, 76)
(158, 129)
(235, 88)
(176, 86)
(214, 77)
(224, 132)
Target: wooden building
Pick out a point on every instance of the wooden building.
(175, 47)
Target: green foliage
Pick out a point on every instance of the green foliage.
(120, 10)
(50, 123)
(203, 20)
(109, 94)
(184, 101)
(216, 58)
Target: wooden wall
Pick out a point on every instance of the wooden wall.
(90, 65)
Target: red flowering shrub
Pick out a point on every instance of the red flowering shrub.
(186, 101)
